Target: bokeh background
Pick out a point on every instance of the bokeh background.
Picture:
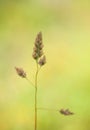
(64, 82)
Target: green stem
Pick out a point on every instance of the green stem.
(36, 75)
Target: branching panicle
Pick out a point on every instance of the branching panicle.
(40, 58)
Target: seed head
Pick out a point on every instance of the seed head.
(20, 72)
(42, 61)
(66, 112)
(38, 47)
(34, 55)
(38, 38)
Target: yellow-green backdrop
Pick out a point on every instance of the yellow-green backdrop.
(64, 82)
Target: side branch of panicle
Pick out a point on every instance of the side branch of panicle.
(20, 72)
(66, 112)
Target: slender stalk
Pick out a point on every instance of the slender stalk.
(36, 75)
(29, 81)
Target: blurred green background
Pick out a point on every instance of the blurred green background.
(64, 82)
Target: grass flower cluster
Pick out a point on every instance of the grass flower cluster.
(40, 59)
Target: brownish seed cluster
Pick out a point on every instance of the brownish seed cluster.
(20, 72)
(42, 61)
(38, 54)
(66, 112)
